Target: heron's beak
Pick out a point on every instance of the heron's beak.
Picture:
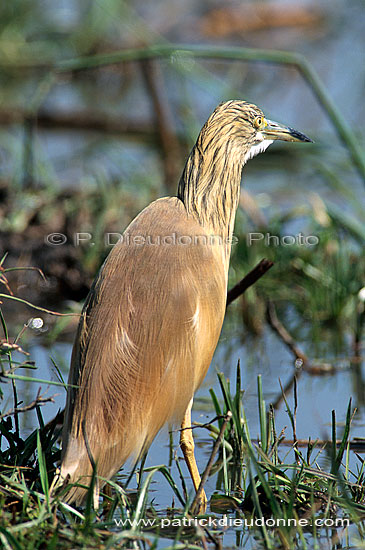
(274, 130)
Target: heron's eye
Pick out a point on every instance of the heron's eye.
(259, 122)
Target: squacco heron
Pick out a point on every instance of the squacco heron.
(152, 319)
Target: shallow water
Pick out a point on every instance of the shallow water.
(267, 356)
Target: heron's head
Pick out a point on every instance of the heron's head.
(243, 129)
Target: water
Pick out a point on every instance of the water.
(267, 356)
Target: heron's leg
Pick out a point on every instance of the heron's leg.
(187, 447)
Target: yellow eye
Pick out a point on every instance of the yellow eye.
(259, 122)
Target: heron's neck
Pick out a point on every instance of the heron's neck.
(210, 187)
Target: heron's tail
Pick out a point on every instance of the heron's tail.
(77, 472)
(80, 467)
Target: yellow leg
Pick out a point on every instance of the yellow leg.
(187, 447)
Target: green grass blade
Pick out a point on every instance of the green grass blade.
(345, 437)
(8, 537)
(42, 469)
(262, 414)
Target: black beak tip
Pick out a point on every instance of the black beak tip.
(300, 136)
